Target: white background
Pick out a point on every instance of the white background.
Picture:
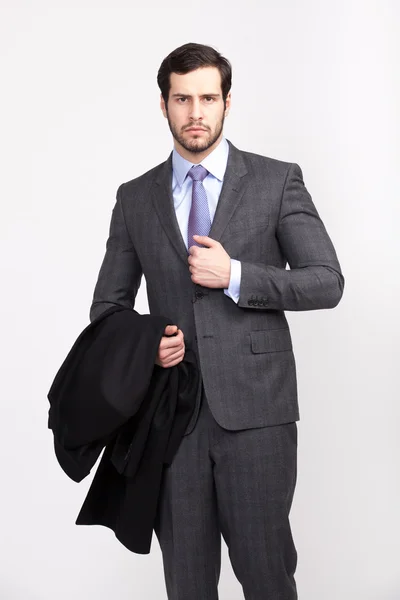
(314, 82)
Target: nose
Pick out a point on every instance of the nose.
(195, 110)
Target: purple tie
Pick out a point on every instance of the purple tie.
(199, 216)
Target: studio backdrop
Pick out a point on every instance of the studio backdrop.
(315, 83)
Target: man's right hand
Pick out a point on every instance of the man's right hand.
(171, 349)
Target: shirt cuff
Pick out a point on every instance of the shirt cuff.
(233, 291)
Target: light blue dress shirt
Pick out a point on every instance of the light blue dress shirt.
(215, 163)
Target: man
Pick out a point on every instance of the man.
(212, 230)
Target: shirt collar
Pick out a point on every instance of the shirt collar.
(215, 163)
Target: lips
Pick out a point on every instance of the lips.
(195, 129)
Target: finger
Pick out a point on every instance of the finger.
(165, 351)
(173, 363)
(175, 343)
(170, 329)
(175, 356)
(205, 240)
(172, 342)
(176, 362)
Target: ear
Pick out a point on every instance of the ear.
(227, 104)
(162, 106)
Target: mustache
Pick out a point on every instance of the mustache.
(200, 125)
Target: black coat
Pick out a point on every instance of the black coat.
(109, 393)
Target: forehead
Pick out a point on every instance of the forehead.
(206, 80)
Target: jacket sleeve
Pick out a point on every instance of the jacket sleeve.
(120, 272)
(314, 280)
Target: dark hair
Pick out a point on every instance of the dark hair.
(189, 57)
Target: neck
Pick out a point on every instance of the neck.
(196, 157)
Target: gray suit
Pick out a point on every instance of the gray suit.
(265, 218)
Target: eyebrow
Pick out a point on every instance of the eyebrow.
(189, 96)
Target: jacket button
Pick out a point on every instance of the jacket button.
(199, 294)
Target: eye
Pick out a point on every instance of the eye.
(209, 98)
(179, 99)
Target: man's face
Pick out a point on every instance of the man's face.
(195, 110)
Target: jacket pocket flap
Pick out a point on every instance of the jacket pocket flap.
(270, 340)
(248, 223)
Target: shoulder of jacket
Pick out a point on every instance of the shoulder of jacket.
(142, 181)
(257, 161)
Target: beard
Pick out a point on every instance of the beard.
(197, 144)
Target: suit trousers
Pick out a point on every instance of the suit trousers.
(239, 484)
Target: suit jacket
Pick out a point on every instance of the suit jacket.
(266, 219)
(109, 393)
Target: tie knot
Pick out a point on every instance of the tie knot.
(198, 173)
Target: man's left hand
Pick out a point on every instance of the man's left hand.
(210, 266)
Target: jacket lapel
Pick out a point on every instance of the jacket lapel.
(232, 191)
